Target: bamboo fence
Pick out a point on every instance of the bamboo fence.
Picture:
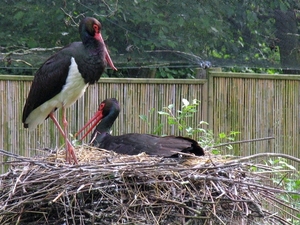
(257, 106)
(136, 97)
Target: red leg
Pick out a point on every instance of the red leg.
(69, 147)
(65, 124)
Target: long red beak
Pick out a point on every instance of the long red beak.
(109, 61)
(92, 123)
(107, 56)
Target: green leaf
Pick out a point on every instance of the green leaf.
(158, 129)
(32, 43)
(283, 6)
(143, 117)
(215, 152)
(180, 21)
(189, 130)
(163, 113)
(222, 135)
(203, 122)
(19, 15)
(171, 121)
(171, 106)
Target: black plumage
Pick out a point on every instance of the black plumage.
(63, 78)
(134, 143)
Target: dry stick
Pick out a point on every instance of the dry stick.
(274, 215)
(76, 167)
(279, 202)
(231, 181)
(244, 141)
(180, 204)
(214, 214)
(124, 169)
(22, 61)
(267, 154)
(58, 196)
(179, 52)
(29, 160)
(11, 154)
(282, 210)
(71, 17)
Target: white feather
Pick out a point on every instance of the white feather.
(72, 90)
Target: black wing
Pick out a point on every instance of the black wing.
(48, 81)
(133, 144)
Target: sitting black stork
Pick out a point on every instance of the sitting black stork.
(64, 77)
(133, 143)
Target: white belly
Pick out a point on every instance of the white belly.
(72, 90)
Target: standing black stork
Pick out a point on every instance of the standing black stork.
(133, 143)
(64, 77)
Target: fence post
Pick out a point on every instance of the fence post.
(210, 95)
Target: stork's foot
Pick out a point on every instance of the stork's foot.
(70, 154)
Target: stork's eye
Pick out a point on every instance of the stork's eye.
(102, 105)
(96, 28)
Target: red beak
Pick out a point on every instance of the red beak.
(92, 123)
(107, 56)
(109, 61)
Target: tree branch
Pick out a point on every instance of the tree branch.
(239, 142)
(266, 154)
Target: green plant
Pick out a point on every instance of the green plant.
(158, 127)
(180, 119)
(146, 33)
(281, 178)
(287, 177)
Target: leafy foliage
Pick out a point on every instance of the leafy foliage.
(179, 119)
(160, 34)
(281, 177)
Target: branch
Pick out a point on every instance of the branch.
(11, 154)
(239, 142)
(71, 17)
(267, 154)
(178, 52)
(23, 61)
(28, 51)
(239, 181)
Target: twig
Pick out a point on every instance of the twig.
(259, 155)
(22, 61)
(12, 155)
(177, 52)
(57, 197)
(28, 51)
(71, 17)
(232, 181)
(151, 190)
(280, 202)
(239, 142)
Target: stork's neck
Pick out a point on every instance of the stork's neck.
(107, 122)
(91, 42)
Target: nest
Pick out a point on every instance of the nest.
(109, 188)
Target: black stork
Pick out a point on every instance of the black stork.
(64, 77)
(133, 143)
